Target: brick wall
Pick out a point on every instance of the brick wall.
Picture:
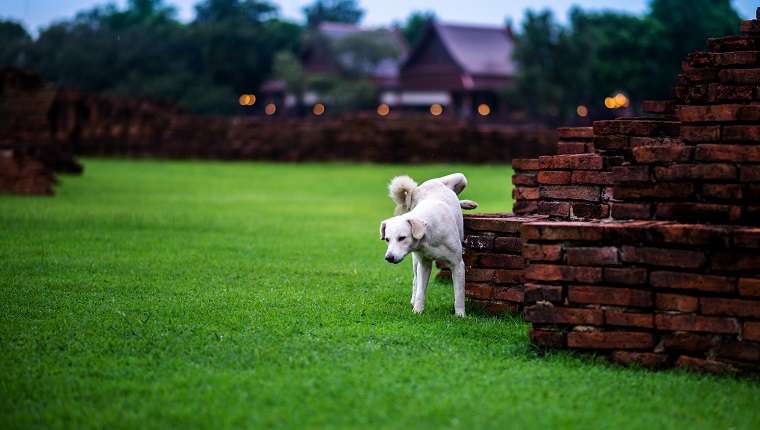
(649, 251)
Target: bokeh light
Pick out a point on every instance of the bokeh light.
(319, 109)
(383, 109)
(582, 110)
(436, 109)
(270, 109)
(247, 100)
(484, 109)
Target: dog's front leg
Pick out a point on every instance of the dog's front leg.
(422, 276)
(457, 274)
(414, 279)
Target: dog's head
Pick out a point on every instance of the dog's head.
(403, 234)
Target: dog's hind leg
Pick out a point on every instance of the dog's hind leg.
(421, 277)
(414, 280)
(457, 275)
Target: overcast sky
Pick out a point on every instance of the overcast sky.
(37, 13)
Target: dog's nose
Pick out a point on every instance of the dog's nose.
(389, 258)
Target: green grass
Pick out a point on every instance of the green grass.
(208, 295)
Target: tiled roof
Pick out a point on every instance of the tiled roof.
(479, 50)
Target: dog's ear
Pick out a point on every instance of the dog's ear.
(382, 231)
(418, 227)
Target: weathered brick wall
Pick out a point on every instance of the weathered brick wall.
(665, 270)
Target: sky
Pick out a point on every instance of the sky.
(40, 13)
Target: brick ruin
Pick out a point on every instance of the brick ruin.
(640, 239)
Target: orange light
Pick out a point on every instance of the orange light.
(383, 110)
(270, 109)
(484, 109)
(609, 102)
(436, 109)
(319, 109)
(621, 100)
(247, 100)
(582, 110)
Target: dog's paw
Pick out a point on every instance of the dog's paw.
(417, 310)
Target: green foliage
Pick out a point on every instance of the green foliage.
(344, 11)
(199, 295)
(415, 24)
(14, 44)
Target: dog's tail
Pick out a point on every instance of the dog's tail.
(401, 188)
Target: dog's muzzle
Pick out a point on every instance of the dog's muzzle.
(391, 259)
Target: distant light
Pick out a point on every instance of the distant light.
(319, 109)
(582, 110)
(270, 109)
(609, 102)
(247, 100)
(621, 100)
(436, 109)
(484, 109)
(383, 110)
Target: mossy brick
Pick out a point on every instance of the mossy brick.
(696, 323)
(525, 164)
(562, 230)
(653, 190)
(542, 252)
(666, 257)
(613, 296)
(558, 272)
(730, 307)
(592, 256)
(559, 315)
(630, 174)
(543, 293)
(554, 177)
(571, 162)
(625, 275)
(628, 319)
(610, 340)
(662, 154)
(685, 281)
(719, 113)
(676, 302)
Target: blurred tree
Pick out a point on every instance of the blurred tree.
(345, 11)
(359, 54)
(15, 43)
(415, 24)
(288, 68)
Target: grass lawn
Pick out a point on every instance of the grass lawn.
(171, 295)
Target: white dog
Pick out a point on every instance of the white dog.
(429, 225)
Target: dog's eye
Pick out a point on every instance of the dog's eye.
(401, 238)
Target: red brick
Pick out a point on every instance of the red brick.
(676, 302)
(719, 113)
(525, 207)
(609, 296)
(590, 210)
(610, 340)
(542, 252)
(548, 338)
(630, 173)
(557, 315)
(477, 291)
(648, 360)
(501, 261)
(712, 171)
(749, 287)
(721, 191)
(539, 293)
(632, 210)
(730, 307)
(696, 323)
(625, 275)
(611, 142)
(504, 276)
(636, 127)
(726, 152)
(705, 366)
(628, 319)
(698, 212)
(553, 272)
(564, 148)
(730, 93)
(525, 164)
(510, 294)
(554, 209)
(740, 76)
(496, 308)
(749, 173)
(699, 59)
(688, 234)
(700, 133)
(575, 192)
(510, 224)
(662, 154)
(735, 262)
(751, 331)
(524, 193)
(592, 256)
(571, 162)
(693, 281)
(741, 133)
(563, 230)
(508, 244)
(686, 342)
(733, 43)
(663, 257)
(659, 106)
(525, 179)
(637, 141)
(591, 177)
(737, 58)
(557, 177)
(701, 75)
(479, 275)
(654, 190)
(572, 133)
(479, 242)
(740, 351)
